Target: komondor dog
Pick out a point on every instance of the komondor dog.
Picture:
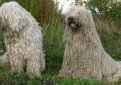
(23, 39)
(84, 55)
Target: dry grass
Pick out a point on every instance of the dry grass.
(105, 25)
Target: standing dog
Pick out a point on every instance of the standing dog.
(23, 39)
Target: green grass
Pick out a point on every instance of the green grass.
(53, 60)
(112, 44)
(53, 34)
(15, 78)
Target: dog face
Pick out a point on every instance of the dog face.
(73, 23)
(77, 18)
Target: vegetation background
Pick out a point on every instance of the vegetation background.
(107, 16)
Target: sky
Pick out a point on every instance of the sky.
(64, 5)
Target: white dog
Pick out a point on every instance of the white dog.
(84, 55)
(23, 39)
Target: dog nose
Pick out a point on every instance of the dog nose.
(70, 18)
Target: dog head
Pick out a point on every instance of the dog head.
(77, 17)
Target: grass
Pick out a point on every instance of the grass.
(15, 78)
(111, 43)
(53, 60)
